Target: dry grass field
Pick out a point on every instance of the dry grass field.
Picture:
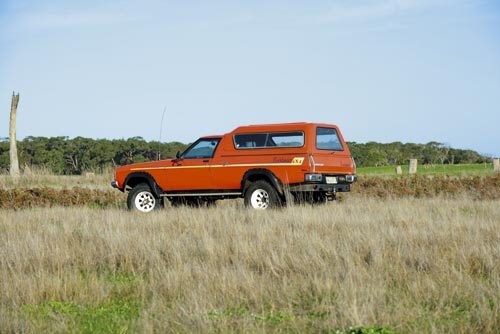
(45, 179)
(369, 264)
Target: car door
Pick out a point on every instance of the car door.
(191, 171)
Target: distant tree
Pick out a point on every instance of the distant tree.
(4, 156)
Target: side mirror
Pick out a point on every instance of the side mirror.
(178, 155)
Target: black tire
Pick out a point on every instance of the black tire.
(260, 195)
(142, 199)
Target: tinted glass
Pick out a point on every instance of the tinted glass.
(251, 140)
(271, 139)
(286, 139)
(204, 148)
(327, 139)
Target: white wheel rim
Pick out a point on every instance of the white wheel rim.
(145, 201)
(260, 199)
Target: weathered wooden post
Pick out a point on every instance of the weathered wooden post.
(399, 171)
(27, 170)
(413, 166)
(14, 162)
(496, 165)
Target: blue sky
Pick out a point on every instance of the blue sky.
(383, 70)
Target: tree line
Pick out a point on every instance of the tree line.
(63, 155)
(397, 153)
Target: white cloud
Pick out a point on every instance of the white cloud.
(61, 15)
(367, 10)
(67, 19)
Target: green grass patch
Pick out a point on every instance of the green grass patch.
(280, 318)
(122, 279)
(269, 318)
(443, 315)
(366, 330)
(228, 313)
(452, 170)
(115, 316)
(321, 315)
(273, 317)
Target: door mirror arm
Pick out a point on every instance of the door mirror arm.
(178, 158)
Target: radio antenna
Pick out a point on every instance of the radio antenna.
(161, 130)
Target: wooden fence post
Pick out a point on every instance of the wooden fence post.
(496, 165)
(413, 166)
(399, 171)
(14, 162)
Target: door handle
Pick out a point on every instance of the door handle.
(206, 160)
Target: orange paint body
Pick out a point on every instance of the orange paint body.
(222, 164)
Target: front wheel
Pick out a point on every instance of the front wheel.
(142, 199)
(261, 195)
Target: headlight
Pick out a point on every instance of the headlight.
(313, 177)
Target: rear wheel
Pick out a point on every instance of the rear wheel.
(261, 195)
(142, 199)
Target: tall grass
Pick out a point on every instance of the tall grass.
(40, 177)
(402, 265)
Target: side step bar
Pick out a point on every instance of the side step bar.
(200, 194)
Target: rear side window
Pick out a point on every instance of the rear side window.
(328, 139)
(269, 140)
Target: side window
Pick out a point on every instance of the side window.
(252, 140)
(327, 139)
(269, 140)
(204, 148)
(286, 139)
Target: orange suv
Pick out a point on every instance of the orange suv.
(268, 165)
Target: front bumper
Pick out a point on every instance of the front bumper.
(321, 187)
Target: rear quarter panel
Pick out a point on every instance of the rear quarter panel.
(329, 161)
